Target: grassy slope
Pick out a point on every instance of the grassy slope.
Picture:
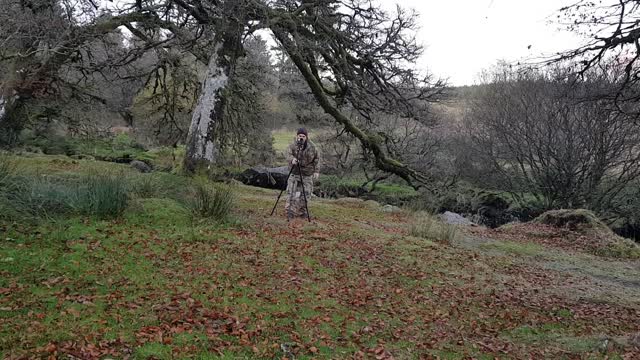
(282, 139)
(351, 284)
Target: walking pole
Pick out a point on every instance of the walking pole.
(304, 193)
(281, 191)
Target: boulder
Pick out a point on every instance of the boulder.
(391, 209)
(140, 166)
(452, 218)
(271, 178)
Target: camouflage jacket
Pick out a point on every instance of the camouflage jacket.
(309, 158)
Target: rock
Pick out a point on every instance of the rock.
(372, 203)
(140, 166)
(271, 178)
(391, 209)
(452, 218)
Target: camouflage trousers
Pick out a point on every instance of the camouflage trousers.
(295, 205)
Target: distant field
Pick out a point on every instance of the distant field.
(281, 139)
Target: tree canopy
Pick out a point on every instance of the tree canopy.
(355, 58)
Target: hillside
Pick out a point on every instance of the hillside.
(355, 283)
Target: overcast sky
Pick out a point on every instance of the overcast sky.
(465, 36)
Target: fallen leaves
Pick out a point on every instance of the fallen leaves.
(335, 289)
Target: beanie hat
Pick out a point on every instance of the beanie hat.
(302, 131)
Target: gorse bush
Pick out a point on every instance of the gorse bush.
(211, 201)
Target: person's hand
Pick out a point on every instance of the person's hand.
(294, 162)
(316, 176)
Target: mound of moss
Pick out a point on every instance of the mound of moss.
(589, 232)
(572, 219)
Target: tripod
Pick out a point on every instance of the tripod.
(304, 193)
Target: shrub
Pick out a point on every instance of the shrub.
(211, 201)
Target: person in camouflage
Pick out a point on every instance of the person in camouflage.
(302, 152)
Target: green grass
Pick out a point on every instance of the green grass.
(157, 283)
(282, 139)
(523, 249)
(353, 186)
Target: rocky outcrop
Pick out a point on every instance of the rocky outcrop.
(272, 178)
(141, 166)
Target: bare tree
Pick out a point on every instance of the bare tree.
(540, 137)
(612, 32)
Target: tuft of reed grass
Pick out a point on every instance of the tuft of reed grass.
(429, 227)
(211, 201)
(104, 196)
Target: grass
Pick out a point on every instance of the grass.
(335, 186)
(353, 284)
(104, 196)
(213, 202)
(59, 186)
(429, 227)
(282, 139)
(516, 248)
(45, 197)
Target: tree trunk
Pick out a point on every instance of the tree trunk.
(10, 125)
(2, 101)
(202, 149)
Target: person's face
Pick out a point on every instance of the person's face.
(301, 138)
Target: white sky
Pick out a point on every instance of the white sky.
(465, 36)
